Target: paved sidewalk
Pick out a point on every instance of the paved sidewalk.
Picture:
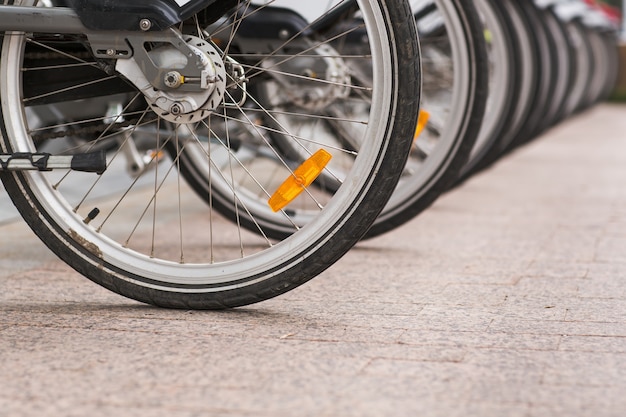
(507, 298)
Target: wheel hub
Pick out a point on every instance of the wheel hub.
(182, 106)
(321, 83)
(186, 100)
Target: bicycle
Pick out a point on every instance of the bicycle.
(166, 68)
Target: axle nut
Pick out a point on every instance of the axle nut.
(173, 79)
(176, 109)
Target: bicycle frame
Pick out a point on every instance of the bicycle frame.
(119, 31)
(156, 15)
(36, 19)
(105, 44)
(98, 15)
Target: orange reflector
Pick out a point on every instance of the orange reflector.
(156, 155)
(301, 178)
(422, 121)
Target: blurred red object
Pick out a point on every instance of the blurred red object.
(613, 13)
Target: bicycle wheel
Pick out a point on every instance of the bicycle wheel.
(316, 107)
(547, 68)
(454, 94)
(564, 64)
(584, 63)
(611, 43)
(602, 56)
(455, 89)
(526, 57)
(505, 83)
(154, 240)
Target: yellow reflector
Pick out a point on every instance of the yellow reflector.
(488, 36)
(302, 177)
(422, 121)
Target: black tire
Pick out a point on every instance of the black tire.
(547, 70)
(585, 66)
(180, 282)
(613, 66)
(565, 67)
(604, 72)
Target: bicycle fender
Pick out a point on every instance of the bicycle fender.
(140, 15)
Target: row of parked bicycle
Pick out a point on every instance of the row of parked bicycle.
(252, 145)
(545, 61)
(548, 60)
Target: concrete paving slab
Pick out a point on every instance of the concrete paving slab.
(506, 298)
